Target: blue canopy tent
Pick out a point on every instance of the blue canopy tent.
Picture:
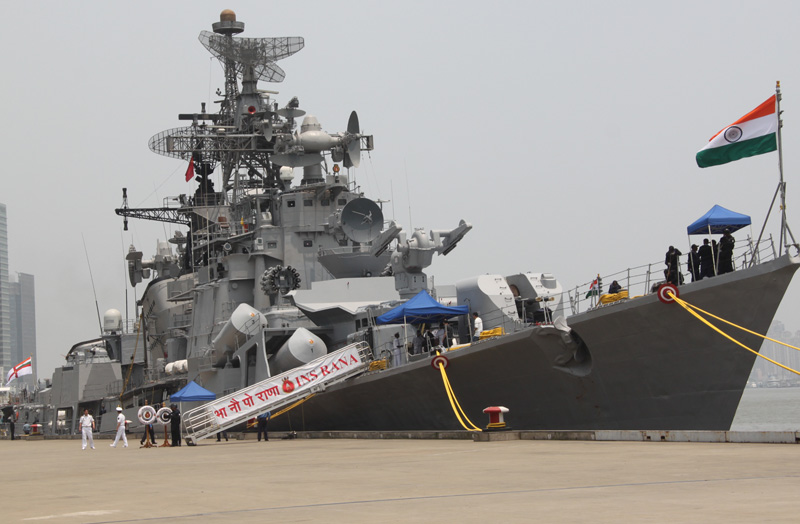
(421, 308)
(191, 393)
(716, 220)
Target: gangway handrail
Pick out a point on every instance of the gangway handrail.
(276, 392)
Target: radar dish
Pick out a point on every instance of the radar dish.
(290, 112)
(352, 157)
(258, 53)
(296, 159)
(362, 220)
(182, 142)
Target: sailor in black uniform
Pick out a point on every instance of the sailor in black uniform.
(175, 425)
(726, 252)
(706, 260)
(673, 271)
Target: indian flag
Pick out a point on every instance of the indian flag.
(23, 368)
(595, 288)
(753, 134)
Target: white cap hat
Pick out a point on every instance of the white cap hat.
(119, 408)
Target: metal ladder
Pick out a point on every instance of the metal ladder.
(273, 393)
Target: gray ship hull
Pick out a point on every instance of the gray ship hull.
(653, 366)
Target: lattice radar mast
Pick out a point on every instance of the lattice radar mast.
(250, 137)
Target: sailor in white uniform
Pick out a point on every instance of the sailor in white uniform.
(120, 429)
(478, 323)
(86, 424)
(397, 351)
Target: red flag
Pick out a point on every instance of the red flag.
(190, 170)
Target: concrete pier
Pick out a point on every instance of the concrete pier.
(394, 479)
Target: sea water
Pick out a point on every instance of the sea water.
(768, 409)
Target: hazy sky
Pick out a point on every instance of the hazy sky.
(565, 132)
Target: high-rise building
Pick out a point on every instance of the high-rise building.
(5, 312)
(23, 322)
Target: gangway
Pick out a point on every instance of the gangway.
(276, 392)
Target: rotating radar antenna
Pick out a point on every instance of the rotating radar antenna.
(258, 53)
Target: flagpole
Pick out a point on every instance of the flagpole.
(781, 184)
(786, 232)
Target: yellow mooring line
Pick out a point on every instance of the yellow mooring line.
(291, 407)
(454, 402)
(694, 311)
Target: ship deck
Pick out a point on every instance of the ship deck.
(347, 480)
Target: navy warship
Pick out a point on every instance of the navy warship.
(269, 272)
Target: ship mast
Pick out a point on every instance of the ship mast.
(786, 232)
(227, 27)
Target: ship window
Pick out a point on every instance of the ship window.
(290, 203)
(307, 243)
(342, 201)
(272, 245)
(325, 202)
(308, 203)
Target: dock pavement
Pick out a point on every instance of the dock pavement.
(442, 480)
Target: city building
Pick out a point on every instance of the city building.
(17, 315)
(5, 306)
(23, 323)
(767, 374)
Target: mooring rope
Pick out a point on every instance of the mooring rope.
(451, 396)
(691, 309)
(290, 407)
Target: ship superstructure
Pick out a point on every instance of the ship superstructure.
(269, 272)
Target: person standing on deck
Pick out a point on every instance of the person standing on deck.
(148, 430)
(693, 263)
(673, 272)
(175, 425)
(706, 255)
(448, 334)
(397, 351)
(11, 419)
(120, 429)
(86, 423)
(726, 252)
(262, 420)
(419, 343)
(478, 327)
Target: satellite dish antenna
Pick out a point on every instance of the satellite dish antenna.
(258, 53)
(352, 157)
(361, 220)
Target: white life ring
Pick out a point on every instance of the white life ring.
(147, 414)
(164, 416)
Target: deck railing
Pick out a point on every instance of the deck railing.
(642, 280)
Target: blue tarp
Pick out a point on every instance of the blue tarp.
(192, 392)
(717, 219)
(421, 308)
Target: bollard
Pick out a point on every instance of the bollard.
(496, 422)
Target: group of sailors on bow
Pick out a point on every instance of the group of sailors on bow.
(705, 261)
